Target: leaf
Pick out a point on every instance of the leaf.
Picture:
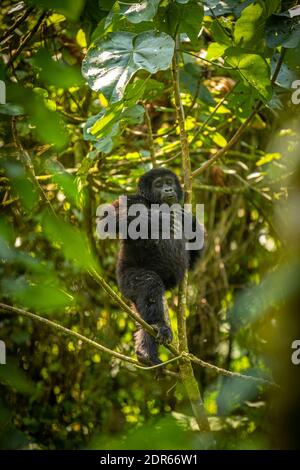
(143, 89)
(72, 241)
(186, 19)
(16, 378)
(112, 62)
(56, 73)
(133, 115)
(218, 139)
(252, 68)
(222, 31)
(104, 143)
(269, 157)
(70, 8)
(11, 109)
(153, 89)
(286, 75)
(101, 129)
(250, 27)
(137, 12)
(281, 30)
(40, 297)
(219, 8)
(191, 21)
(215, 50)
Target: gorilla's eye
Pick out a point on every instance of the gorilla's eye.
(169, 181)
(158, 184)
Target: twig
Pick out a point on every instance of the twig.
(185, 367)
(16, 24)
(278, 66)
(211, 115)
(10, 309)
(26, 39)
(206, 60)
(228, 373)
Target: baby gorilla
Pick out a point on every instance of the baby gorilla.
(148, 267)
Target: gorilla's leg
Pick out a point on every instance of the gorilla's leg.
(146, 290)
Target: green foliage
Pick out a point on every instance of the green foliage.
(252, 68)
(71, 141)
(70, 8)
(111, 63)
(137, 12)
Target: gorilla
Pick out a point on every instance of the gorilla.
(147, 267)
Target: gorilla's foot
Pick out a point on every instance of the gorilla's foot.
(164, 333)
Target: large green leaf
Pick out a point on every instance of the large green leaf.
(102, 128)
(186, 19)
(252, 68)
(224, 7)
(112, 62)
(282, 30)
(249, 31)
(249, 28)
(141, 11)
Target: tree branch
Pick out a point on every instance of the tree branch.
(10, 309)
(150, 138)
(186, 370)
(14, 310)
(24, 41)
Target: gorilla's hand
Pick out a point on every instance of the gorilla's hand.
(164, 333)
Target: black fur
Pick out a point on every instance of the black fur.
(147, 268)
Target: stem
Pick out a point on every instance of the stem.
(25, 40)
(185, 366)
(150, 138)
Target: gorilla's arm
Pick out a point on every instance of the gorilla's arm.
(114, 218)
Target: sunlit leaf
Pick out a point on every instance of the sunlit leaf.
(144, 10)
(249, 28)
(253, 68)
(110, 63)
(281, 30)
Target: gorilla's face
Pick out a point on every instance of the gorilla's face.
(164, 189)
